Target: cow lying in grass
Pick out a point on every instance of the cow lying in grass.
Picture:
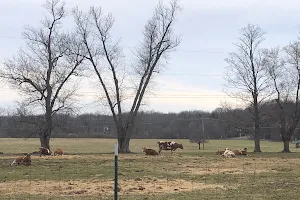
(245, 151)
(228, 153)
(45, 151)
(151, 152)
(236, 152)
(24, 160)
(220, 152)
(162, 145)
(58, 151)
(240, 152)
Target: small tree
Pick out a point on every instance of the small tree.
(245, 74)
(199, 142)
(284, 73)
(196, 130)
(42, 72)
(106, 56)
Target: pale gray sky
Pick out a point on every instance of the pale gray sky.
(193, 78)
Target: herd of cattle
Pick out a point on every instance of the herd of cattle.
(162, 145)
(26, 160)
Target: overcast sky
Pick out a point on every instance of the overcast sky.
(193, 78)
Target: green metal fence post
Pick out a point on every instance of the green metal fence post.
(116, 173)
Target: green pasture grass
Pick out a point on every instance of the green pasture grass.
(267, 175)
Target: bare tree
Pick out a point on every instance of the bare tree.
(196, 129)
(106, 58)
(284, 74)
(245, 74)
(43, 71)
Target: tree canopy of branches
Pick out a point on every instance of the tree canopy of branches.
(245, 73)
(196, 130)
(284, 73)
(105, 56)
(43, 71)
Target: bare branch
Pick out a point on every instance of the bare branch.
(159, 40)
(245, 72)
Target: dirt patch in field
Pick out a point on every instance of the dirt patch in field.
(103, 188)
(197, 171)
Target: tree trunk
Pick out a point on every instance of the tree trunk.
(199, 145)
(48, 129)
(286, 146)
(124, 145)
(257, 143)
(286, 141)
(45, 141)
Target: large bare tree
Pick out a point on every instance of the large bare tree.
(106, 56)
(284, 73)
(245, 74)
(43, 71)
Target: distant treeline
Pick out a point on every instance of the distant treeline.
(187, 124)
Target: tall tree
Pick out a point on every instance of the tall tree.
(284, 73)
(43, 71)
(106, 56)
(245, 74)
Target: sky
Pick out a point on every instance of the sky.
(193, 78)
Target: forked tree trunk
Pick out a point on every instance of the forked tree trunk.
(124, 135)
(45, 141)
(123, 145)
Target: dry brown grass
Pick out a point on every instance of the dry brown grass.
(103, 187)
(86, 172)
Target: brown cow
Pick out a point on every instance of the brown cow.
(245, 152)
(240, 152)
(151, 152)
(168, 146)
(25, 160)
(220, 152)
(58, 151)
(45, 151)
(237, 152)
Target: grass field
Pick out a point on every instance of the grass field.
(86, 171)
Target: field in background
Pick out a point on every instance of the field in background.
(86, 171)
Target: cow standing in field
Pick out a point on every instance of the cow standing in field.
(24, 160)
(168, 146)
